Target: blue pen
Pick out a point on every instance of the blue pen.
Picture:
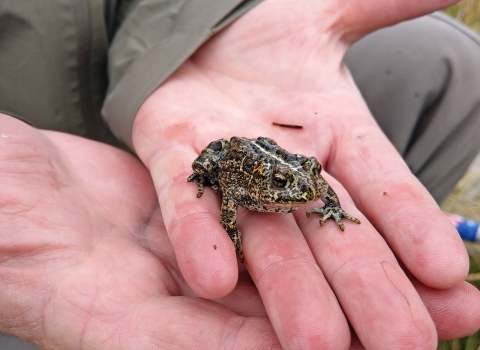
(469, 230)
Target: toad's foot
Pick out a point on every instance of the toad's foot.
(333, 211)
(236, 237)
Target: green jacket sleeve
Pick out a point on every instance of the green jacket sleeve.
(153, 40)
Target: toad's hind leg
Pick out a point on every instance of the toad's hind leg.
(228, 219)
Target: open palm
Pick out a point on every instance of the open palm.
(282, 63)
(85, 261)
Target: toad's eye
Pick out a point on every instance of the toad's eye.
(316, 169)
(280, 180)
(215, 146)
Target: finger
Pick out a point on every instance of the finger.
(299, 302)
(399, 207)
(368, 282)
(455, 311)
(350, 21)
(204, 252)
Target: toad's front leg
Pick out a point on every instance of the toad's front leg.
(199, 180)
(228, 219)
(332, 206)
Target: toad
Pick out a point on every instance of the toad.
(260, 175)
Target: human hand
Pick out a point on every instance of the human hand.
(85, 261)
(282, 62)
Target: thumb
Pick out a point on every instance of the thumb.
(358, 18)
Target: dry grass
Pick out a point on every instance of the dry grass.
(468, 12)
(465, 198)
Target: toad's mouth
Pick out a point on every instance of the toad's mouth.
(286, 202)
(300, 195)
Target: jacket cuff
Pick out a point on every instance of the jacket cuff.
(155, 38)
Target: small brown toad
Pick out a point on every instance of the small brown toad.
(260, 175)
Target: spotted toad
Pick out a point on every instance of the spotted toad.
(260, 175)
